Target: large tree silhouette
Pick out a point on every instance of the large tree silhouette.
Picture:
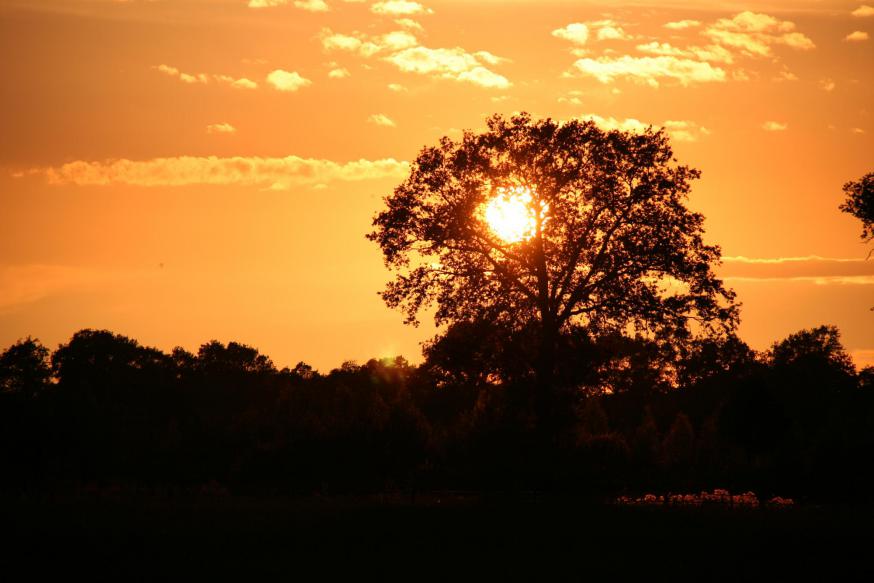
(613, 246)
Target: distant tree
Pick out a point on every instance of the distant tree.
(820, 345)
(216, 357)
(813, 360)
(609, 243)
(711, 357)
(860, 203)
(24, 368)
(99, 361)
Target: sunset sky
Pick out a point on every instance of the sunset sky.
(185, 170)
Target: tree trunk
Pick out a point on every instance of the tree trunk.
(545, 371)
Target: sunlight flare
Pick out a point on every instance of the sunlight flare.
(512, 215)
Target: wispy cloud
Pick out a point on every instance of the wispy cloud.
(308, 5)
(775, 126)
(25, 284)
(204, 78)
(680, 130)
(682, 24)
(408, 23)
(857, 36)
(754, 34)
(863, 11)
(711, 53)
(804, 269)
(275, 173)
(381, 119)
(367, 45)
(220, 128)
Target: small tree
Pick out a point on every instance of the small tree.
(555, 225)
(860, 203)
(24, 368)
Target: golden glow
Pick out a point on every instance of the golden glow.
(260, 230)
(511, 214)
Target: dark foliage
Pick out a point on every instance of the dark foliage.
(110, 413)
(860, 203)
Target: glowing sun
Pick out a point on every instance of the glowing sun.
(511, 214)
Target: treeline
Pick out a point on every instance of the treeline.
(636, 415)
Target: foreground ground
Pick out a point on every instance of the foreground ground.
(435, 537)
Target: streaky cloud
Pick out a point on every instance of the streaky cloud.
(273, 173)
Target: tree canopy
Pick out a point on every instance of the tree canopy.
(860, 203)
(612, 245)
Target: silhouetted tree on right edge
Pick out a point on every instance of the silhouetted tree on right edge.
(860, 203)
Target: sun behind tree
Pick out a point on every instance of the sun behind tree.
(510, 214)
(555, 225)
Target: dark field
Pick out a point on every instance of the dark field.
(438, 537)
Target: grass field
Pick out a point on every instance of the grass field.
(439, 537)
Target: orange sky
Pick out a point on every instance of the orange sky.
(183, 170)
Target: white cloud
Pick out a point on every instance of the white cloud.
(312, 5)
(863, 11)
(408, 23)
(650, 70)
(786, 75)
(576, 32)
(401, 49)
(308, 5)
(857, 36)
(682, 24)
(774, 126)
(381, 119)
(398, 8)
(338, 73)
(685, 130)
(827, 84)
(287, 81)
(220, 128)
(275, 173)
(857, 131)
(580, 32)
(609, 30)
(456, 64)
(397, 87)
(611, 123)
(397, 40)
(754, 34)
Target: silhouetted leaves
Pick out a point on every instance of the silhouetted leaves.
(617, 249)
(860, 203)
(796, 420)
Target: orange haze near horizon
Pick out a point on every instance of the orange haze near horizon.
(185, 170)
